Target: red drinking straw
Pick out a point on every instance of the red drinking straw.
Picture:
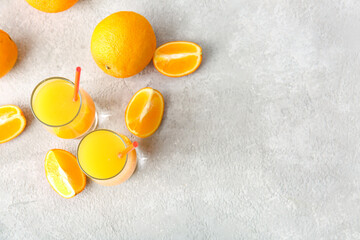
(128, 149)
(77, 82)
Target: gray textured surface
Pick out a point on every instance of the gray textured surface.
(262, 142)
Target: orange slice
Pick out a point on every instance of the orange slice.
(177, 59)
(144, 112)
(12, 122)
(63, 173)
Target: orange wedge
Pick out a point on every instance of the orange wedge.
(63, 173)
(177, 59)
(12, 122)
(144, 112)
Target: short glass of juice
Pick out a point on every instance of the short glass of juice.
(98, 157)
(53, 105)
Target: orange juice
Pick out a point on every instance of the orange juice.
(52, 104)
(98, 157)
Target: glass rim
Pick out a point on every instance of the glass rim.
(77, 154)
(32, 96)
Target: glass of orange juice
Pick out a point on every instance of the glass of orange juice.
(98, 157)
(53, 105)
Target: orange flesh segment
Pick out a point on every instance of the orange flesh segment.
(63, 173)
(176, 59)
(178, 47)
(144, 112)
(179, 65)
(12, 122)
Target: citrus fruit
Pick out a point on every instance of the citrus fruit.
(144, 112)
(123, 44)
(177, 59)
(63, 173)
(52, 6)
(8, 53)
(12, 122)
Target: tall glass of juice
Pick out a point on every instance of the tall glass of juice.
(98, 157)
(53, 105)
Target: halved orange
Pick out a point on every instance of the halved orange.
(12, 122)
(177, 59)
(63, 173)
(144, 112)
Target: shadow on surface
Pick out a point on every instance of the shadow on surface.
(28, 115)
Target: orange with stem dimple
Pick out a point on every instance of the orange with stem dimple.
(144, 112)
(63, 173)
(177, 59)
(12, 122)
(123, 44)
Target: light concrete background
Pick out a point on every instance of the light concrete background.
(262, 142)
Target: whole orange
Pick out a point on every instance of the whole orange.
(52, 6)
(123, 44)
(8, 53)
